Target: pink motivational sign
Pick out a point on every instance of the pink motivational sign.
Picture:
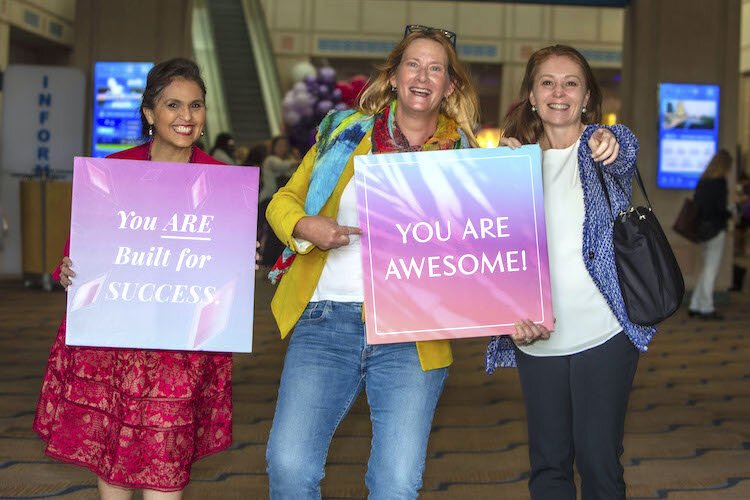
(164, 255)
(453, 244)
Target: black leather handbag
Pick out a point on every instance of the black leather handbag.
(650, 278)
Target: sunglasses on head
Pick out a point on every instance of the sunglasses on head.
(418, 28)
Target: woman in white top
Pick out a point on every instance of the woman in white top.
(277, 167)
(576, 379)
(223, 149)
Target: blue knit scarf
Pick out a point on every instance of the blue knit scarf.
(338, 136)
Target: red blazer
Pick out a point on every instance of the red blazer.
(142, 152)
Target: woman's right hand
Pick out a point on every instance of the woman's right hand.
(511, 142)
(66, 273)
(528, 332)
(323, 232)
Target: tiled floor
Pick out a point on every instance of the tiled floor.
(687, 434)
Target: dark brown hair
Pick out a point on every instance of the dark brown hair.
(523, 123)
(161, 76)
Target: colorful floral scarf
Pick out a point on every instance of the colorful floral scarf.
(388, 138)
(338, 136)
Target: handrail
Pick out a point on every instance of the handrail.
(217, 118)
(265, 63)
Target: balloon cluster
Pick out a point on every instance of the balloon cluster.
(350, 89)
(312, 96)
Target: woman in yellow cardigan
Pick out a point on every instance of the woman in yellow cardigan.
(422, 99)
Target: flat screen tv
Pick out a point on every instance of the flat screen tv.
(118, 88)
(688, 132)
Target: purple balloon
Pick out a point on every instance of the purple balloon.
(312, 88)
(336, 95)
(327, 75)
(291, 118)
(324, 91)
(341, 106)
(288, 101)
(310, 79)
(323, 107)
(301, 101)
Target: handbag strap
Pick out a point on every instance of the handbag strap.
(600, 175)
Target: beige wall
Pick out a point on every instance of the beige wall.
(101, 30)
(105, 30)
(138, 30)
(662, 45)
(4, 43)
(135, 30)
(51, 20)
(46, 19)
(745, 37)
(744, 99)
(500, 33)
(64, 9)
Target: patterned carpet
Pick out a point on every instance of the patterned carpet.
(687, 434)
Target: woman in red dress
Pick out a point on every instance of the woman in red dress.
(139, 418)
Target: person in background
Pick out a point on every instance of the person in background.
(276, 170)
(421, 99)
(223, 149)
(139, 418)
(255, 158)
(240, 153)
(278, 166)
(711, 198)
(576, 379)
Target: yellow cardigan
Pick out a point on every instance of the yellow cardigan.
(297, 286)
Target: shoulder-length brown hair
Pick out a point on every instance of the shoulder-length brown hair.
(523, 123)
(462, 105)
(719, 166)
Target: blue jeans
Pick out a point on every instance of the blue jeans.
(328, 363)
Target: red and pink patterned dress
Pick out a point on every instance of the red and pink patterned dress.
(136, 418)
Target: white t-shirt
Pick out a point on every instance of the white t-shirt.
(342, 279)
(582, 317)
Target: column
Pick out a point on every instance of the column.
(680, 41)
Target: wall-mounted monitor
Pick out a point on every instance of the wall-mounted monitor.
(688, 132)
(118, 88)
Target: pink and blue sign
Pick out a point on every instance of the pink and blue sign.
(453, 243)
(164, 255)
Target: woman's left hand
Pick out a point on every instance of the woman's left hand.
(528, 332)
(604, 147)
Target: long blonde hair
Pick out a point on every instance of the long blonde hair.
(462, 105)
(719, 166)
